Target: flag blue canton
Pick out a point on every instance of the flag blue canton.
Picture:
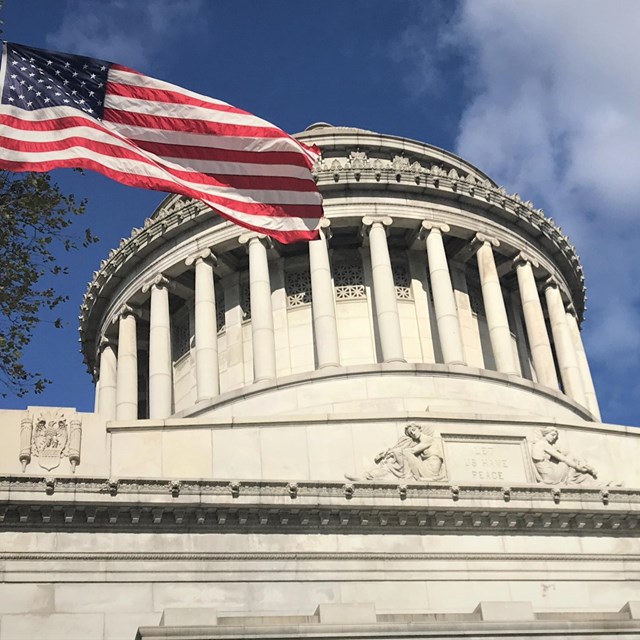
(37, 79)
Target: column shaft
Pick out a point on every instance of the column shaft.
(127, 369)
(565, 350)
(160, 365)
(495, 310)
(106, 405)
(323, 305)
(443, 300)
(206, 332)
(264, 349)
(583, 365)
(536, 328)
(384, 293)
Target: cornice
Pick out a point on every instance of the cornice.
(69, 503)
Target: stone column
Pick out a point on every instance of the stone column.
(384, 290)
(264, 349)
(107, 381)
(583, 364)
(494, 307)
(206, 329)
(443, 299)
(127, 367)
(565, 350)
(160, 361)
(323, 305)
(534, 321)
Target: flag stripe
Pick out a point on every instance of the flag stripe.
(107, 144)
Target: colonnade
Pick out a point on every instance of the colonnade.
(118, 377)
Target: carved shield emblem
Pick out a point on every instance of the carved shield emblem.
(50, 437)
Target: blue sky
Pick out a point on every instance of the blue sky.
(543, 95)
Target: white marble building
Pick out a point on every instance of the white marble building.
(391, 431)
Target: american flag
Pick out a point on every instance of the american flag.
(62, 110)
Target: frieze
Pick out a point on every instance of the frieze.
(275, 517)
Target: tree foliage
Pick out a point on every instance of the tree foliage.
(35, 221)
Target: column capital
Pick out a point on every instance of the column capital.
(201, 256)
(431, 225)
(126, 311)
(570, 309)
(483, 238)
(252, 236)
(368, 222)
(160, 281)
(549, 283)
(104, 343)
(524, 258)
(324, 228)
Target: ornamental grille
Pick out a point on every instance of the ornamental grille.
(298, 287)
(181, 336)
(220, 310)
(402, 281)
(245, 301)
(349, 281)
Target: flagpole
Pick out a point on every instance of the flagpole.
(3, 67)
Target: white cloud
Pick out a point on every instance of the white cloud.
(554, 115)
(131, 33)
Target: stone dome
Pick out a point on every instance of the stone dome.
(429, 279)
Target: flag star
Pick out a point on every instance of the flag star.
(40, 80)
(49, 63)
(91, 93)
(58, 72)
(73, 93)
(23, 68)
(14, 62)
(12, 99)
(29, 104)
(67, 65)
(81, 101)
(100, 85)
(66, 101)
(14, 75)
(38, 93)
(49, 87)
(58, 93)
(12, 88)
(31, 75)
(32, 59)
(85, 66)
(89, 110)
(65, 82)
(47, 100)
(93, 76)
(21, 96)
(23, 82)
(82, 83)
(74, 74)
(29, 88)
(103, 68)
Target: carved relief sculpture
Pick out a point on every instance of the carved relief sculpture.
(417, 456)
(50, 435)
(554, 466)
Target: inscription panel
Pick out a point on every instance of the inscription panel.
(487, 459)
